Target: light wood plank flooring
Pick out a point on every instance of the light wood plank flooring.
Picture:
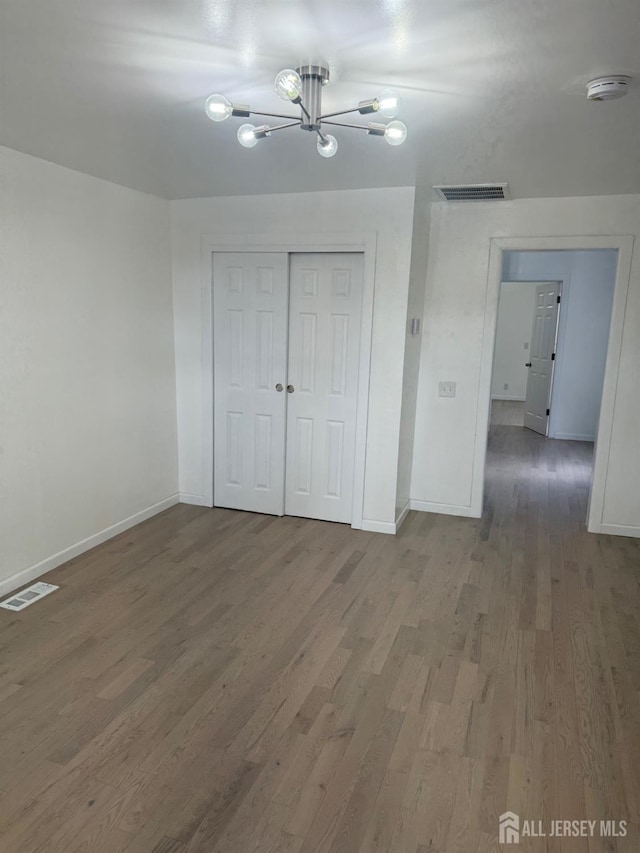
(507, 412)
(221, 682)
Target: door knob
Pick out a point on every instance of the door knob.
(279, 386)
(527, 364)
(290, 389)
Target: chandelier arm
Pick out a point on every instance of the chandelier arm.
(344, 124)
(304, 110)
(283, 126)
(273, 115)
(341, 113)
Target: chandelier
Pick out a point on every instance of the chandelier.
(304, 88)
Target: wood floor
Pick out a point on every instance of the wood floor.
(221, 682)
(507, 412)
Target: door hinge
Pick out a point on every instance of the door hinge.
(559, 297)
(553, 356)
(548, 412)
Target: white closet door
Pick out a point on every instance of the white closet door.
(543, 344)
(325, 304)
(250, 358)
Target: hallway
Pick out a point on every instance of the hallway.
(524, 464)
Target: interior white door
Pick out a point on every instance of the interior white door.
(325, 305)
(250, 291)
(541, 355)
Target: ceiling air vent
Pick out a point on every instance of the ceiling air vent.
(473, 192)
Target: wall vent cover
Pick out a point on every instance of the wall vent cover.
(473, 192)
(32, 593)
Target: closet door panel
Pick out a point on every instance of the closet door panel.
(250, 317)
(325, 304)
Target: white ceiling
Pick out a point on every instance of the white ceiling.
(493, 90)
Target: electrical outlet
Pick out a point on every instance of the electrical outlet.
(526, 345)
(506, 386)
(447, 389)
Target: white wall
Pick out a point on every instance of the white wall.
(513, 337)
(387, 212)
(453, 341)
(415, 308)
(87, 391)
(583, 331)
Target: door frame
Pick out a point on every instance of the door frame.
(498, 245)
(329, 242)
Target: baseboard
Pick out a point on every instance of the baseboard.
(25, 576)
(443, 509)
(570, 436)
(402, 515)
(378, 526)
(510, 399)
(620, 530)
(193, 500)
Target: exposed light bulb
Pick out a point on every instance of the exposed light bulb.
(395, 132)
(247, 135)
(328, 146)
(218, 108)
(288, 84)
(389, 103)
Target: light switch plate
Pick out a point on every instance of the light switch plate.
(447, 389)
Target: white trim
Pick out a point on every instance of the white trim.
(498, 245)
(404, 512)
(378, 526)
(570, 436)
(291, 243)
(509, 399)
(44, 566)
(443, 509)
(192, 500)
(618, 530)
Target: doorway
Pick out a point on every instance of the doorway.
(551, 343)
(526, 329)
(286, 375)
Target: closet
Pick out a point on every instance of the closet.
(286, 354)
